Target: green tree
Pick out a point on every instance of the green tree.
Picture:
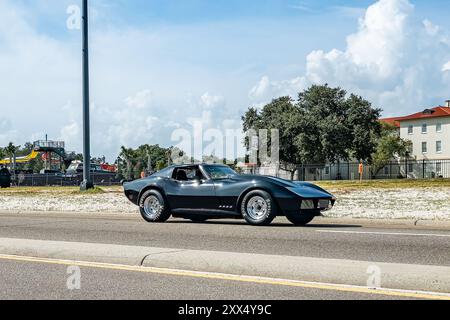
(389, 146)
(344, 127)
(366, 129)
(11, 151)
(324, 125)
(126, 156)
(283, 115)
(133, 161)
(160, 165)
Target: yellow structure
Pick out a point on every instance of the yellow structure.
(25, 159)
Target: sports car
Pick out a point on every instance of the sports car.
(202, 192)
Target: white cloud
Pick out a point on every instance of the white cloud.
(446, 67)
(394, 59)
(430, 27)
(70, 132)
(7, 134)
(266, 89)
(212, 102)
(140, 100)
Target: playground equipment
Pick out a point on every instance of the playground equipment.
(34, 154)
(47, 148)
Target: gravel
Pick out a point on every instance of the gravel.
(371, 203)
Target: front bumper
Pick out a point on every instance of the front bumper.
(317, 204)
(293, 206)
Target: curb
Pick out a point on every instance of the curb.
(334, 271)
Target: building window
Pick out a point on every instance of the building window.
(424, 128)
(410, 168)
(386, 170)
(438, 167)
(327, 170)
(439, 127)
(410, 129)
(438, 146)
(424, 147)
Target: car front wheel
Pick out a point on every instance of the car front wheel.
(153, 207)
(258, 208)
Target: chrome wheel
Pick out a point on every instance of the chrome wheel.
(257, 208)
(152, 207)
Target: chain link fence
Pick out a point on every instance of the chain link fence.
(41, 180)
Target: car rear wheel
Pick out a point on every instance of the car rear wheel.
(301, 219)
(153, 207)
(258, 208)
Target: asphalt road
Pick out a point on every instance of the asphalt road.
(31, 281)
(359, 242)
(337, 241)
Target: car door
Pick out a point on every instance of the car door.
(191, 194)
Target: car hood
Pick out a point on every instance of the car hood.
(303, 189)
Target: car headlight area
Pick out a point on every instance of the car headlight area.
(321, 204)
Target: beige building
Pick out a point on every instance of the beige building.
(429, 132)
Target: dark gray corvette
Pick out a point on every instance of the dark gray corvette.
(202, 192)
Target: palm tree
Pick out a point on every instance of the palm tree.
(127, 156)
(11, 150)
(2, 154)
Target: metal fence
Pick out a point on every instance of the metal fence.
(39, 180)
(404, 169)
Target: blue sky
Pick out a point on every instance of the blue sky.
(159, 64)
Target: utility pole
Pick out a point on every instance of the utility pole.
(87, 182)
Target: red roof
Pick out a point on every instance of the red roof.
(436, 112)
(392, 121)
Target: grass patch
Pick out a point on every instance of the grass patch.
(385, 184)
(59, 191)
(95, 190)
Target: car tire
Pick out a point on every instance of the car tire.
(258, 208)
(153, 207)
(301, 219)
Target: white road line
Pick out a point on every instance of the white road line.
(388, 233)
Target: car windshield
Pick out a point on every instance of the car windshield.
(220, 172)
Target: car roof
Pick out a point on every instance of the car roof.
(198, 164)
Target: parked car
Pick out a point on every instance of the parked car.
(202, 192)
(51, 172)
(5, 178)
(76, 168)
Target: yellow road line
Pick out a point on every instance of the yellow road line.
(239, 278)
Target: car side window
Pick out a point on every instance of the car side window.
(188, 174)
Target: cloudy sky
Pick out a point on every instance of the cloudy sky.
(160, 65)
